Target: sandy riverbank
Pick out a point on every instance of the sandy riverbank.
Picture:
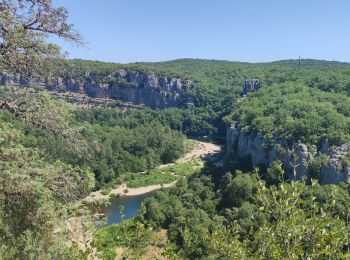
(200, 149)
(123, 190)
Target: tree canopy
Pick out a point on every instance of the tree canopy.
(24, 28)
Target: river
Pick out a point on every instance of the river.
(132, 205)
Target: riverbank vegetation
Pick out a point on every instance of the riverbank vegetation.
(37, 170)
(229, 214)
(163, 175)
(154, 177)
(240, 216)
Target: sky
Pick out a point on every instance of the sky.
(126, 31)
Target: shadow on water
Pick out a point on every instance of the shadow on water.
(131, 204)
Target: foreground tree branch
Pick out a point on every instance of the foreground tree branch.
(24, 28)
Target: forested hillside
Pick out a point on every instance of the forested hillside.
(309, 104)
(75, 135)
(115, 142)
(226, 213)
(293, 112)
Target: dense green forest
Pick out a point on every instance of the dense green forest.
(116, 142)
(46, 174)
(219, 83)
(54, 155)
(294, 112)
(225, 213)
(217, 212)
(238, 215)
(35, 196)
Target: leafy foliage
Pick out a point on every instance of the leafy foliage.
(218, 84)
(39, 183)
(119, 150)
(250, 219)
(112, 144)
(292, 112)
(297, 225)
(24, 28)
(129, 233)
(33, 199)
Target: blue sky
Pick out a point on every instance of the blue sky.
(240, 30)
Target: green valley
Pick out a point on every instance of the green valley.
(180, 159)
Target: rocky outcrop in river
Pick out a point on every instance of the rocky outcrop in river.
(137, 87)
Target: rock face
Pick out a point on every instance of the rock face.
(137, 87)
(10, 80)
(250, 85)
(336, 170)
(252, 147)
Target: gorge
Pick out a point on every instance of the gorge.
(115, 146)
(297, 123)
(156, 91)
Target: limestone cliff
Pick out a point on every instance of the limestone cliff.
(254, 150)
(337, 170)
(252, 147)
(250, 85)
(137, 87)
